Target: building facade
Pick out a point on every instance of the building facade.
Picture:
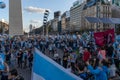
(100, 10)
(76, 16)
(54, 23)
(65, 21)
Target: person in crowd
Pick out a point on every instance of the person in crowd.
(20, 58)
(56, 57)
(86, 55)
(30, 59)
(110, 50)
(118, 57)
(73, 58)
(102, 53)
(25, 57)
(4, 70)
(8, 57)
(65, 62)
(13, 59)
(14, 75)
(69, 68)
(97, 70)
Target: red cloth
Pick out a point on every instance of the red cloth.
(99, 38)
(105, 37)
(86, 56)
(110, 35)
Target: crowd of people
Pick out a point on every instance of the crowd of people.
(83, 57)
(80, 56)
(14, 53)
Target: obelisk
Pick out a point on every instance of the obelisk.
(15, 18)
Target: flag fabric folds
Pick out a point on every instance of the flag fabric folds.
(45, 68)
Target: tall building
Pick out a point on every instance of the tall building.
(15, 18)
(100, 9)
(65, 21)
(76, 16)
(56, 20)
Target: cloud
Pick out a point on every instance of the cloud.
(35, 21)
(32, 9)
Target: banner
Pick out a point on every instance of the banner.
(99, 38)
(45, 68)
(110, 35)
(106, 37)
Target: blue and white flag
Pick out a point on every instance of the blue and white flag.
(45, 68)
(2, 59)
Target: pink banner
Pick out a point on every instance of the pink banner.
(106, 37)
(99, 38)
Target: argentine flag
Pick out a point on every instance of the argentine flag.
(45, 68)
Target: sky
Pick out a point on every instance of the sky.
(33, 10)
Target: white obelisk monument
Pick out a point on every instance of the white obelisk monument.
(15, 18)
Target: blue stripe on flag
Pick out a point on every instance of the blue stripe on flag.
(50, 70)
